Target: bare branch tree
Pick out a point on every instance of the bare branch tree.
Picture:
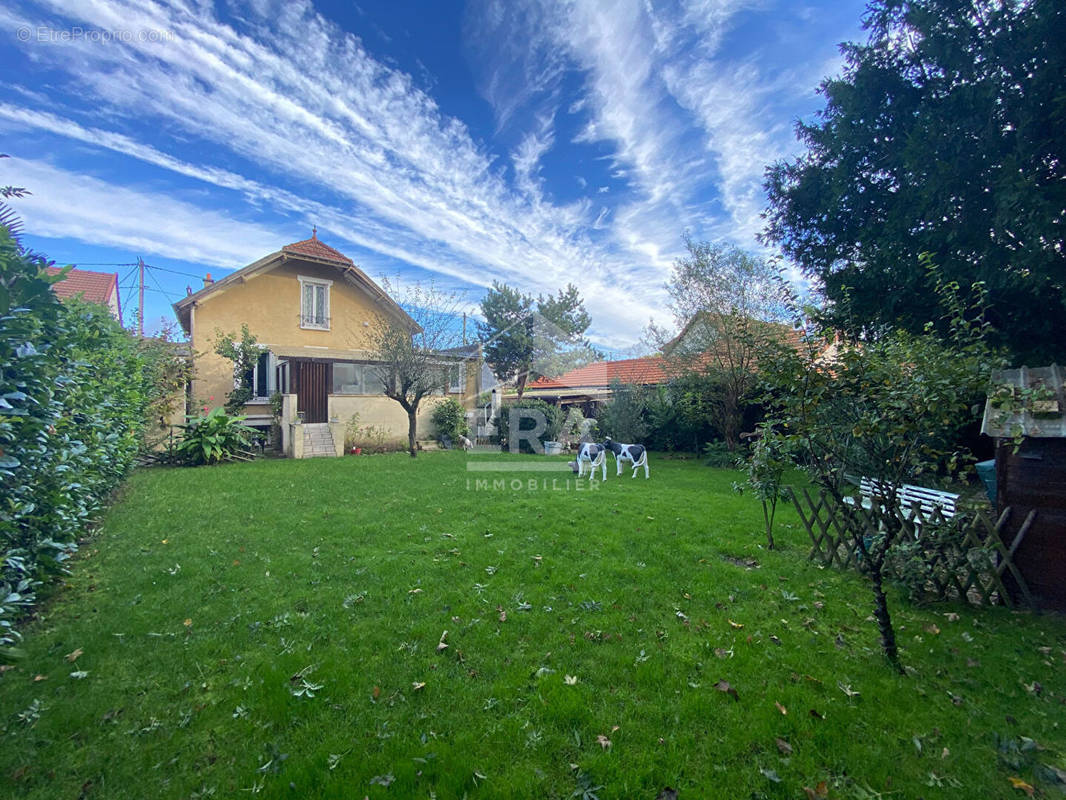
(409, 347)
(721, 298)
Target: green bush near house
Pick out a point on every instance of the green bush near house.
(449, 418)
(530, 414)
(214, 438)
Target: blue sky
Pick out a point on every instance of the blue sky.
(531, 142)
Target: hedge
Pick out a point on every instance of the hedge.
(75, 394)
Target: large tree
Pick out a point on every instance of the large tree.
(409, 348)
(723, 299)
(946, 134)
(525, 338)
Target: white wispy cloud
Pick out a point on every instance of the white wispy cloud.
(335, 137)
(66, 204)
(691, 127)
(300, 99)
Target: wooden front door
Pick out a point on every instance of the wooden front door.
(312, 389)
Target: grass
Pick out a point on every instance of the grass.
(273, 628)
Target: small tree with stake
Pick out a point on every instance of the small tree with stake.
(890, 407)
(408, 349)
(770, 457)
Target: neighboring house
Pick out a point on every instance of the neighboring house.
(694, 346)
(589, 385)
(700, 337)
(313, 313)
(93, 287)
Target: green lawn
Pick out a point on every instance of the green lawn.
(274, 628)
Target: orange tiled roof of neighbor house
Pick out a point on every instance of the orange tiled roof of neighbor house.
(647, 370)
(316, 248)
(95, 287)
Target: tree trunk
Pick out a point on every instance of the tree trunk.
(520, 385)
(884, 621)
(412, 428)
(768, 511)
(731, 422)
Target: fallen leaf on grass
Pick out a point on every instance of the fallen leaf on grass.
(414, 591)
(770, 775)
(933, 629)
(72, 657)
(821, 790)
(603, 741)
(79, 674)
(442, 645)
(376, 692)
(781, 708)
(570, 680)
(37, 678)
(784, 747)
(846, 689)
(418, 686)
(187, 623)
(503, 614)
(1018, 783)
(736, 624)
(726, 688)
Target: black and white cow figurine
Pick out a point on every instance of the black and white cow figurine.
(636, 454)
(595, 455)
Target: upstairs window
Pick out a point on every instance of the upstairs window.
(455, 378)
(314, 303)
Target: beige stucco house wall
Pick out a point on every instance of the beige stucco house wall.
(313, 313)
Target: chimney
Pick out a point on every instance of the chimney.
(208, 280)
(188, 290)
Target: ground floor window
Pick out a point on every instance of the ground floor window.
(354, 378)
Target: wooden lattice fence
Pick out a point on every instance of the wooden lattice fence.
(964, 557)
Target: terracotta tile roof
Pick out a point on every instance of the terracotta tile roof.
(95, 287)
(648, 370)
(315, 248)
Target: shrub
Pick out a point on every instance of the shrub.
(530, 413)
(244, 353)
(622, 417)
(214, 438)
(718, 454)
(449, 418)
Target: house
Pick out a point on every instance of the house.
(93, 287)
(696, 347)
(313, 313)
(591, 384)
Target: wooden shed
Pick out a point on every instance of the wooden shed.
(1026, 414)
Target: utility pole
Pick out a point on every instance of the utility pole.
(140, 297)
